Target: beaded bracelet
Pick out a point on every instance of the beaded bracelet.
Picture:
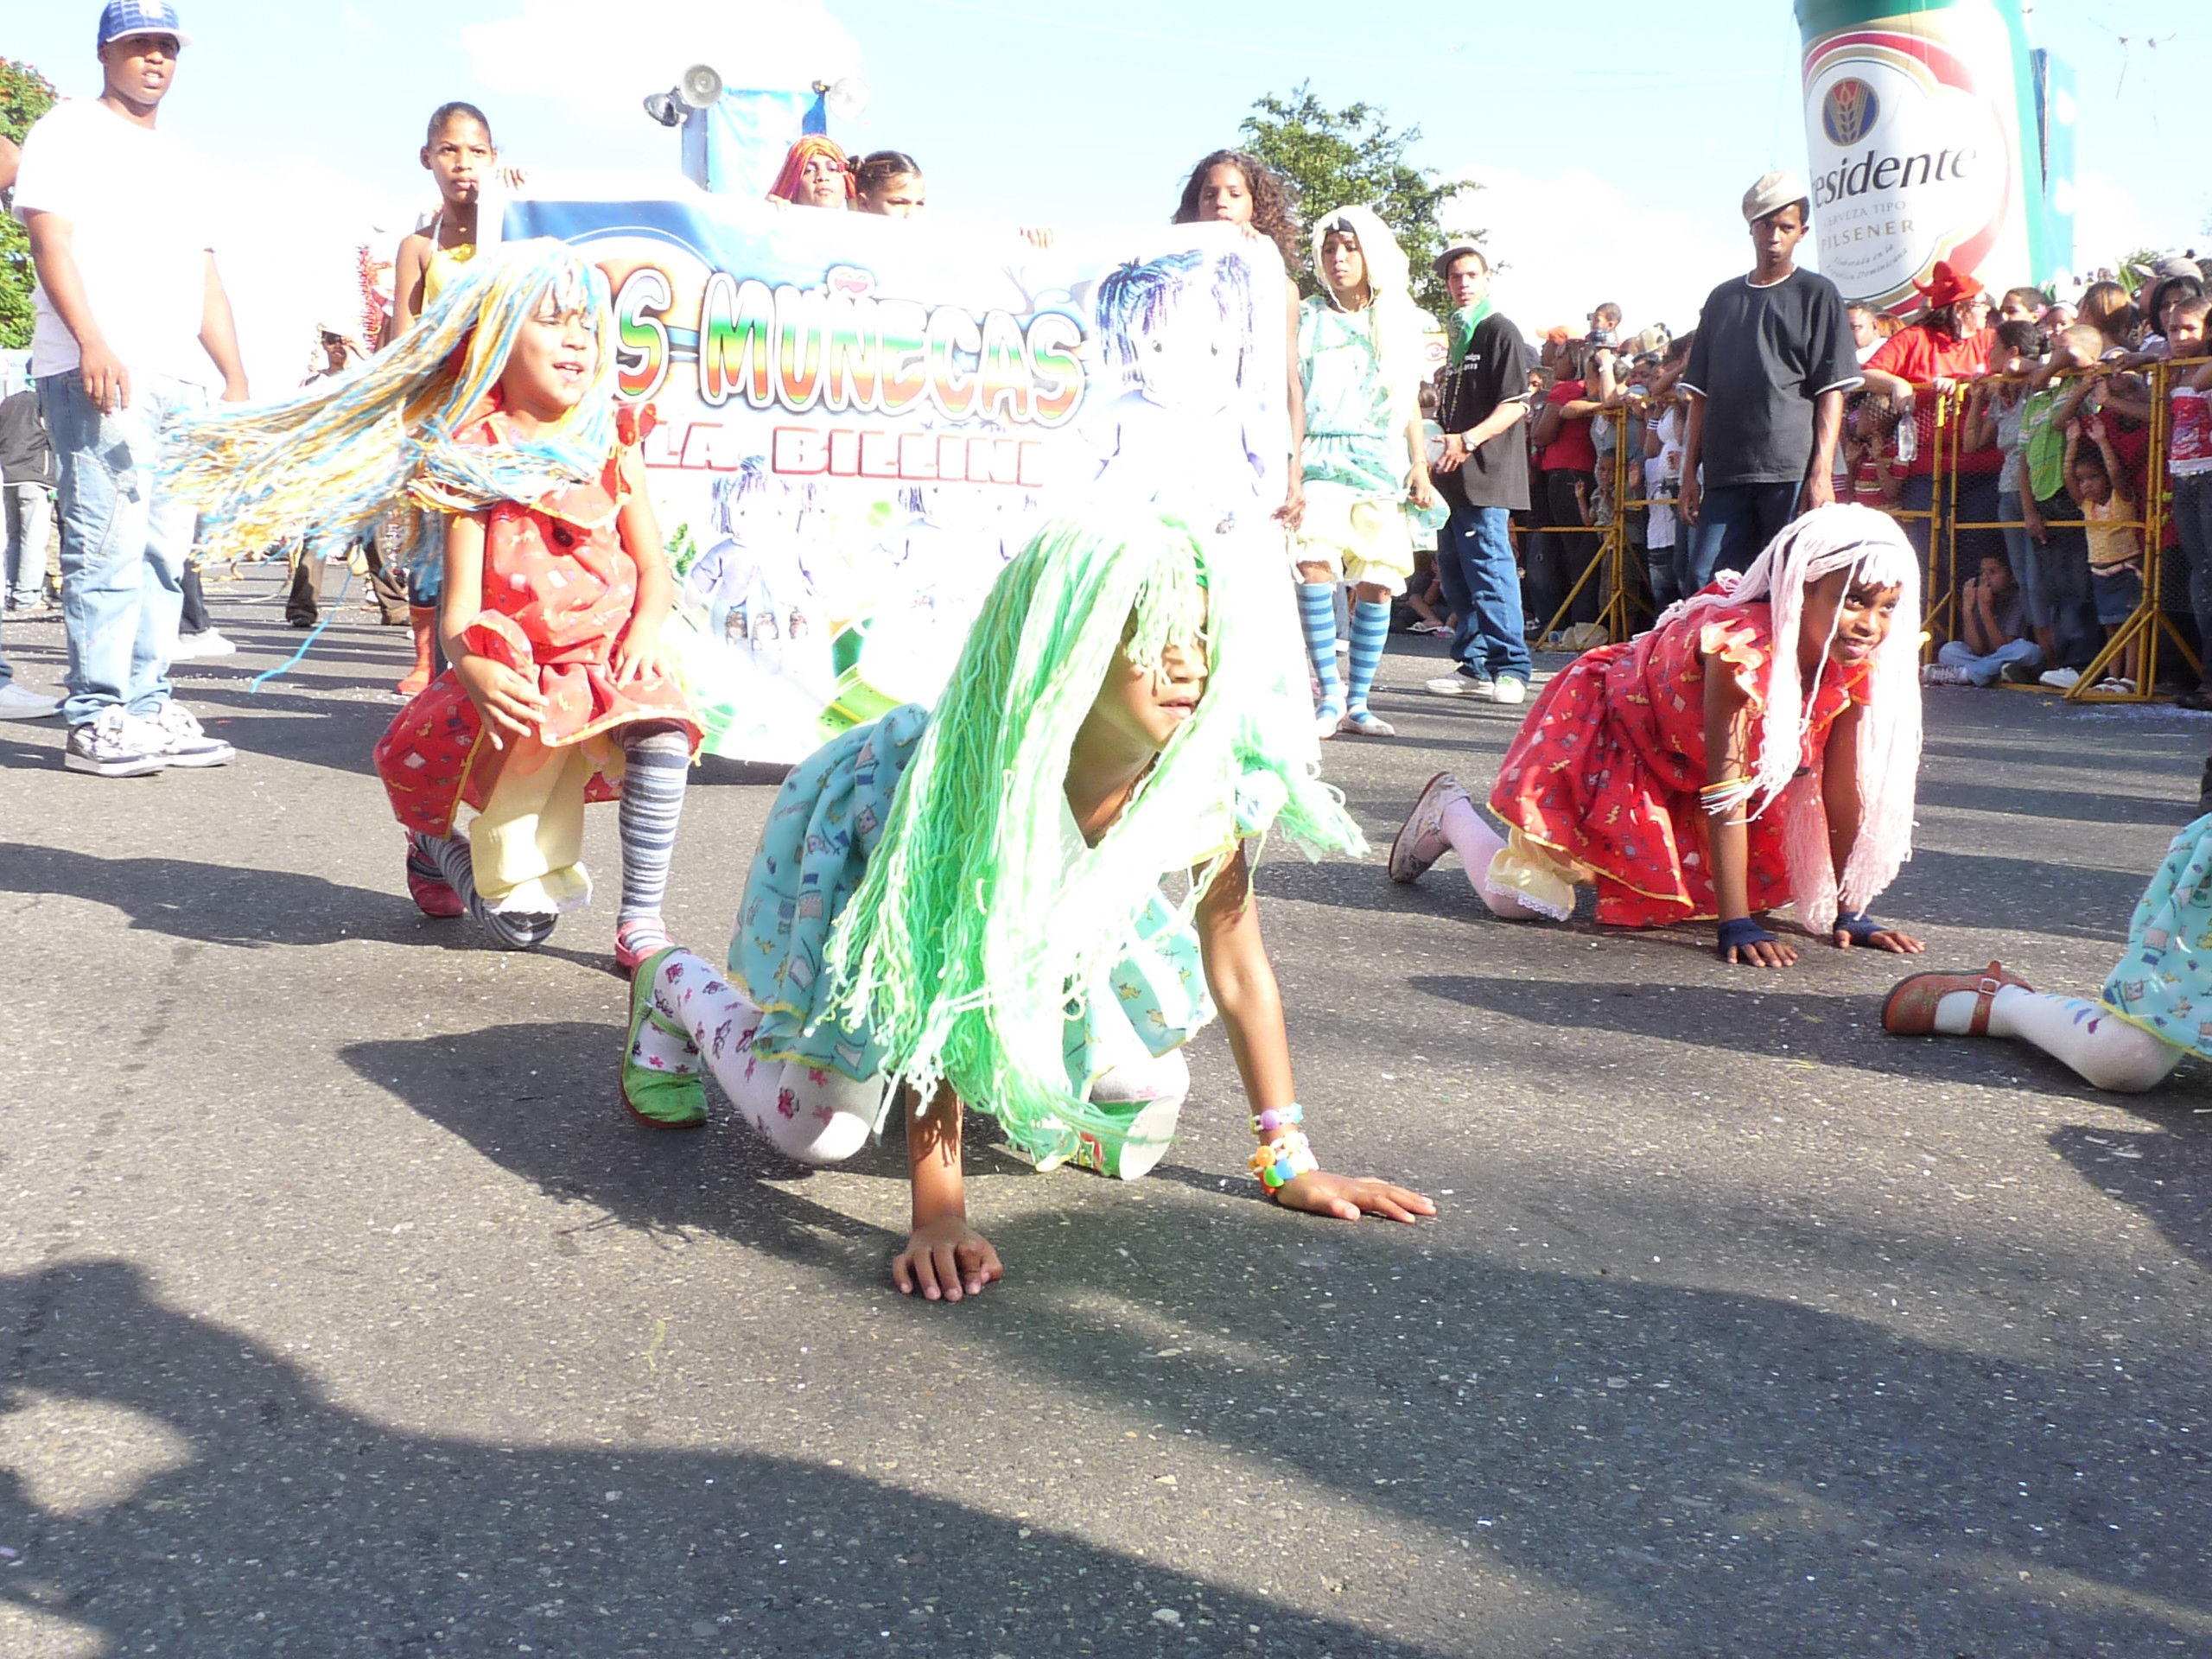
(1278, 1118)
(1284, 1160)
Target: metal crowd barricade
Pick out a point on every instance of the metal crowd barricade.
(2148, 625)
(1612, 564)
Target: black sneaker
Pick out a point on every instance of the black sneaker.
(2020, 674)
(114, 744)
(2199, 699)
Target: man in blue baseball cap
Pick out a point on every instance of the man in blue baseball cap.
(129, 314)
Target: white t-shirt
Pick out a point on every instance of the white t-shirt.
(141, 233)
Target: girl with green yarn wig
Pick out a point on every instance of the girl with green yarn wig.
(964, 905)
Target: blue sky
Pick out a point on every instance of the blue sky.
(1614, 138)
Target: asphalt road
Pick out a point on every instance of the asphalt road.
(345, 1313)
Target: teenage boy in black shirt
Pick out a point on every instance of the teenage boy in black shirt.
(1484, 477)
(1772, 359)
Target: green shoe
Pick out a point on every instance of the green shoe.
(658, 1099)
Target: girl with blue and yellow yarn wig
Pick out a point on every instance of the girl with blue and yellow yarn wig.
(962, 905)
(494, 419)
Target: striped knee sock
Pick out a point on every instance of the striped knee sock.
(1370, 627)
(507, 932)
(652, 800)
(1317, 611)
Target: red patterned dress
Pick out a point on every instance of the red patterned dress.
(559, 588)
(1602, 782)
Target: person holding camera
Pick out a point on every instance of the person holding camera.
(1772, 359)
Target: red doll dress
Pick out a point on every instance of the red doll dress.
(1602, 782)
(559, 588)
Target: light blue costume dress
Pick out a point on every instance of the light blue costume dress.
(2163, 981)
(1355, 461)
(827, 821)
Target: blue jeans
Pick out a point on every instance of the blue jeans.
(123, 540)
(1983, 670)
(2192, 522)
(1734, 524)
(1475, 564)
(2027, 570)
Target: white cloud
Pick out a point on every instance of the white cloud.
(1562, 243)
(565, 51)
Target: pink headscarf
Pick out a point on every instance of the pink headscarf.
(1869, 545)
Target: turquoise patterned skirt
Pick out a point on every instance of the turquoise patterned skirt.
(2164, 982)
(828, 819)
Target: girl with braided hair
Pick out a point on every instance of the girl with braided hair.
(962, 905)
(497, 410)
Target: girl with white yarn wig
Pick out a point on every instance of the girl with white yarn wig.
(1758, 747)
(1365, 462)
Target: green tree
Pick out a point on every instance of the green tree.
(1336, 158)
(25, 95)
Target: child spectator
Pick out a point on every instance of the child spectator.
(1994, 621)
(2061, 552)
(1662, 483)
(1875, 433)
(1993, 416)
(2106, 308)
(2189, 465)
(2096, 481)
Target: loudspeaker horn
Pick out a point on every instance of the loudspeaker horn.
(701, 86)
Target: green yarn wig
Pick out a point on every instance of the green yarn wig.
(972, 938)
(324, 464)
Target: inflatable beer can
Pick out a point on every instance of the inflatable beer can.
(1914, 117)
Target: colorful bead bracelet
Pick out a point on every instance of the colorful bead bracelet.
(1284, 1160)
(1278, 1118)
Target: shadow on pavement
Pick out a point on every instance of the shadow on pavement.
(1806, 1480)
(224, 904)
(2164, 1172)
(245, 1514)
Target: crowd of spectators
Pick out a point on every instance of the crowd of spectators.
(2009, 433)
(1784, 397)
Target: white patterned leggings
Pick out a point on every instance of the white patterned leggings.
(813, 1115)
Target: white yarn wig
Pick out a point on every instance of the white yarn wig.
(1394, 321)
(1873, 549)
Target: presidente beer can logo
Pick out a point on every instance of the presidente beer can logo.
(1849, 110)
(1912, 124)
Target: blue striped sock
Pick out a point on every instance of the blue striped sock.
(652, 800)
(1317, 611)
(1370, 627)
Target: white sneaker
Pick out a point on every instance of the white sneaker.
(2059, 679)
(1456, 684)
(1942, 674)
(1504, 689)
(181, 743)
(113, 745)
(192, 647)
(16, 703)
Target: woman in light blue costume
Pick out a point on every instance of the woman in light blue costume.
(964, 905)
(2155, 1006)
(1365, 458)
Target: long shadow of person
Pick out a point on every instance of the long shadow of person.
(1807, 1479)
(166, 1487)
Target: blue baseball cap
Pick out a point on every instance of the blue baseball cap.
(124, 17)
